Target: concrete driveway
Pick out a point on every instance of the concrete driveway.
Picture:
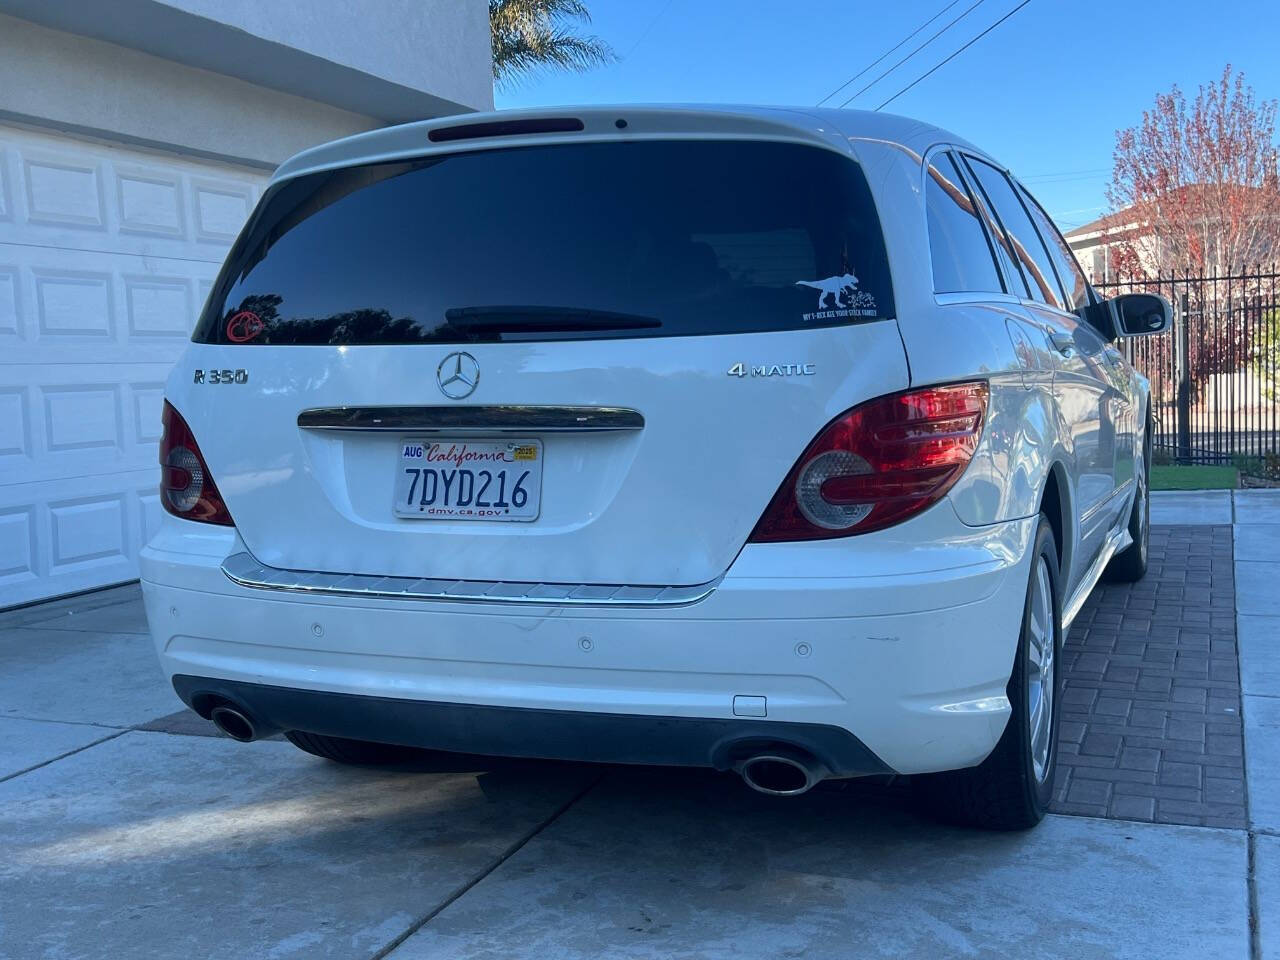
(127, 828)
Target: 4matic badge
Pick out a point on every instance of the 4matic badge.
(773, 370)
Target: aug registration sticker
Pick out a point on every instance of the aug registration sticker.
(469, 480)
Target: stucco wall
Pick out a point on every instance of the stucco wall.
(393, 60)
(51, 78)
(441, 46)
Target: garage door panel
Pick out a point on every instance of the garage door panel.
(63, 190)
(73, 303)
(9, 309)
(147, 407)
(79, 416)
(221, 208)
(88, 531)
(149, 201)
(90, 297)
(159, 306)
(15, 426)
(6, 205)
(107, 253)
(17, 545)
(117, 241)
(79, 194)
(68, 535)
(74, 420)
(149, 511)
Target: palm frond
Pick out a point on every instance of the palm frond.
(528, 34)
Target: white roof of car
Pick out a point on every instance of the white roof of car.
(637, 121)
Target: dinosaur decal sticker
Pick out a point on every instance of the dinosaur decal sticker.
(837, 288)
(839, 297)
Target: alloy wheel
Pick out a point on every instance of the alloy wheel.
(1041, 662)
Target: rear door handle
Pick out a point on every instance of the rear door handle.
(1064, 343)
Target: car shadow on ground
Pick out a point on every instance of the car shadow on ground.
(871, 793)
(260, 848)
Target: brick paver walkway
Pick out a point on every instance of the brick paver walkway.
(1151, 707)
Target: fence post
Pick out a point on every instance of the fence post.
(1183, 367)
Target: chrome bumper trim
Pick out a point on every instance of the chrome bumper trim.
(497, 419)
(243, 569)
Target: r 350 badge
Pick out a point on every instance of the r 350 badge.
(221, 376)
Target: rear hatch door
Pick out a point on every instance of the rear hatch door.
(578, 362)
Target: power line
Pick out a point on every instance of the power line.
(1069, 218)
(1065, 173)
(1100, 175)
(968, 10)
(645, 32)
(943, 63)
(880, 58)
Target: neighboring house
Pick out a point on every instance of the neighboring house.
(1219, 223)
(135, 137)
(1094, 241)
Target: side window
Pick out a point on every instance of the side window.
(1069, 271)
(1014, 278)
(1030, 251)
(962, 257)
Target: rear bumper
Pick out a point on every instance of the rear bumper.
(526, 732)
(903, 668)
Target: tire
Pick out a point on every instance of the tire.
(352, 752)
(1130, 564)
(1010, 790)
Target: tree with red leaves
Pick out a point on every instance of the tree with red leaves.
(1195, 185)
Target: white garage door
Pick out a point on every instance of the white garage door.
(106, 256)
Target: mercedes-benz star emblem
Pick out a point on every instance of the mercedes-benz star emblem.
(458, 375)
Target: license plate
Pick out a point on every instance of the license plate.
(469, 479)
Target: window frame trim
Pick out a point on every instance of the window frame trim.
(963, 155)
(995, 213)
(959, 296)
(1026, 197)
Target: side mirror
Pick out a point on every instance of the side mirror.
(1140, 314)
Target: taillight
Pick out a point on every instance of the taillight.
(187, 489)
(878, 464)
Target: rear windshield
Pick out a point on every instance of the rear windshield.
(573, 241)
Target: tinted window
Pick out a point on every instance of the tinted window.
(1030, 252)
(962, 258)
(1013, 277)
(1069, 272)
(563, 241)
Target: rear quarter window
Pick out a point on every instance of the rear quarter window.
(566, 241)
(962, 258)
(1024, 240)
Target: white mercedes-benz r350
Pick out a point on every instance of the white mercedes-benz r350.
(786, 442)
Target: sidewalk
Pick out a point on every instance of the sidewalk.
(1255, 519)
(129, 829)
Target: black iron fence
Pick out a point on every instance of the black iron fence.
(1215, 375)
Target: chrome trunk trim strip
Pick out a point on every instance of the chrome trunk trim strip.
(243, 569)
(456, 418)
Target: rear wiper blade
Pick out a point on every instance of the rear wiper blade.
(516, 318)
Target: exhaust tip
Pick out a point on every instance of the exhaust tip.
(233, 723)
(782, 773)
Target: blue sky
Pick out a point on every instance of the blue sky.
(1044, 92)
